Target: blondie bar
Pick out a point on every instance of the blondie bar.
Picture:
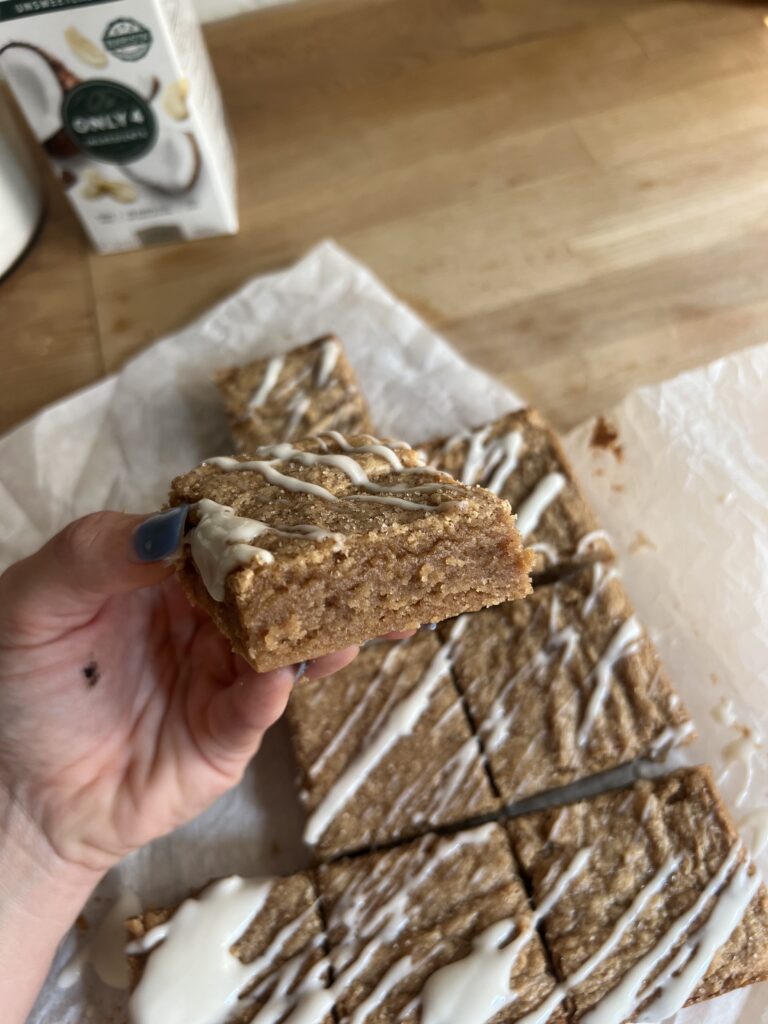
(565, 684)
(305, 548)
(241, 949)
(305, 391)
(434, 932)
(661, 907)
(384, 748)
(520, 458)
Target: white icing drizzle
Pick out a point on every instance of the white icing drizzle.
(220, 542)
(485, 456)
(672, 736)
(755, 823)
(510, 445)
(398, 972)
(297, 407)
(622, 643)
(548, 551)
(104, 947)
(741, 751)
(350, 722)
(475, 989)
(724, 712)
(602, 575)
(542, 1012)
(329, 354)
(383, 493)
(192, 977)
(620, 1002)
(538, 501)
(400, 722)
(271, 373)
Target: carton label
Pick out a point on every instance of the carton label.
(127, 39)
(109, 121)
(10, 9)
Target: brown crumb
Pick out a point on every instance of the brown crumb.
(605, 435)
(714, 677)
(599, 471)
(81, 923)
(641, 540)
(617, 488)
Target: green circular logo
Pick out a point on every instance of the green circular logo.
(127, 39)
(108, 121)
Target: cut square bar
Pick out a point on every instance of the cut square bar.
(565, 684)
(661, 907)
(439, 930)
(520, 458)
(384, 748)
(305, 391)
(254, 946)
(307, 548)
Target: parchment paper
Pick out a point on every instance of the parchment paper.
(692, 480)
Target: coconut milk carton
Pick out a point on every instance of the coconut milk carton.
(122, 96)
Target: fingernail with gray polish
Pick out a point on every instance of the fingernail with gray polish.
(300, 670)
(159, 536)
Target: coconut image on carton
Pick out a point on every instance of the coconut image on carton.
(128, 113)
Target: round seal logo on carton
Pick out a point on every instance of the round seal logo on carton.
(109, 121)
(127, 39)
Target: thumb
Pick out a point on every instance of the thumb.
(64, 584)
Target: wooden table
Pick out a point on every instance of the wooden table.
(574, 191)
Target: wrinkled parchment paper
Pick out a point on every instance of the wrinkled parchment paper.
(686, 505)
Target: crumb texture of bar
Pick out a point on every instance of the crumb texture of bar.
(435, 931)
(661, 907)
(305, 391)
(520, 458)
(565, 684)
(384, 748)
(304, 549)
(242, 949)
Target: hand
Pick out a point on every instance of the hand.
(123, 713)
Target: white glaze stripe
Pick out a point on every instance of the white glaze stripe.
(619, 1003)
(329, 353)
(271, 373)
(192, 978)
(511, 446)
(400, 723)
(297, 407)
(622, 643)
(220, 542)
(536, 504)
(542, 1012)
(344, 463)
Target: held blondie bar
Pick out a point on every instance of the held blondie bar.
(305, 548)
(657, 905)
(305, 391)
(520, 458)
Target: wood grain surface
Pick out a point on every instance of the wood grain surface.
(574, 191)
